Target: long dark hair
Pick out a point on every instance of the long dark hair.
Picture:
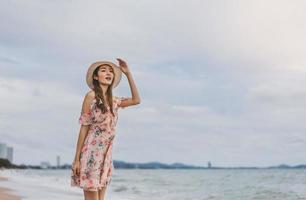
(99, 96)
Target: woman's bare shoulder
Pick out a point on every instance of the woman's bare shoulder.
(90, 95)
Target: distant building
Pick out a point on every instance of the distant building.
(3, 150)
(6, 152)
(58, 161)
(208, 164)
(45, 165)
(9, 154)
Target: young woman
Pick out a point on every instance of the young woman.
(92, 167)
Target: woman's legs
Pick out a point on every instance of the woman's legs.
(91, 195)
(101, 193)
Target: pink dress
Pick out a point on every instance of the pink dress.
(96, 164)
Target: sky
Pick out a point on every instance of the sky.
(220, 81)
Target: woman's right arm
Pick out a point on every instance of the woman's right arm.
(84, 124)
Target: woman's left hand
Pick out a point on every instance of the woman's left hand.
(123, 66)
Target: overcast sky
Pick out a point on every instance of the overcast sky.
(220, 81)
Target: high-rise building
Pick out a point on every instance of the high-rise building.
(3, 150)
(6, 152)
(58, 161)
(209, 164)
(9, 154)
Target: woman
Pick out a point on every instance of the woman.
(92, 167)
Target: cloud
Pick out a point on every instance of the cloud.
(219, 80)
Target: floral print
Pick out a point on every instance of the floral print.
(96, 164)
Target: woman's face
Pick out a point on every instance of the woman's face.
(105, 75)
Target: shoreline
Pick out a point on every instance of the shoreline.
(5, 193)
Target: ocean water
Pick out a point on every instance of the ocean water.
(166, 184)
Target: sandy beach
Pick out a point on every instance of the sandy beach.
(5, 193)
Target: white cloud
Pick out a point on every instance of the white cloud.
(219, 80)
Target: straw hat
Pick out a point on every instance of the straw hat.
(92, 67)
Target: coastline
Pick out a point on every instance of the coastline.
(5, 193)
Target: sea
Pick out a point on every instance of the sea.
(165, 184)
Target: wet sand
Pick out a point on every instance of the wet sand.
(6, 193)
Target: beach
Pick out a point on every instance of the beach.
(161, 184)
(6, 193)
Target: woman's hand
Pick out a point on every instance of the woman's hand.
(123, 66)
(76, 167)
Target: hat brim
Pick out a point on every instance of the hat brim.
(92, 67)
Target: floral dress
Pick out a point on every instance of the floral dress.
(96, 164)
